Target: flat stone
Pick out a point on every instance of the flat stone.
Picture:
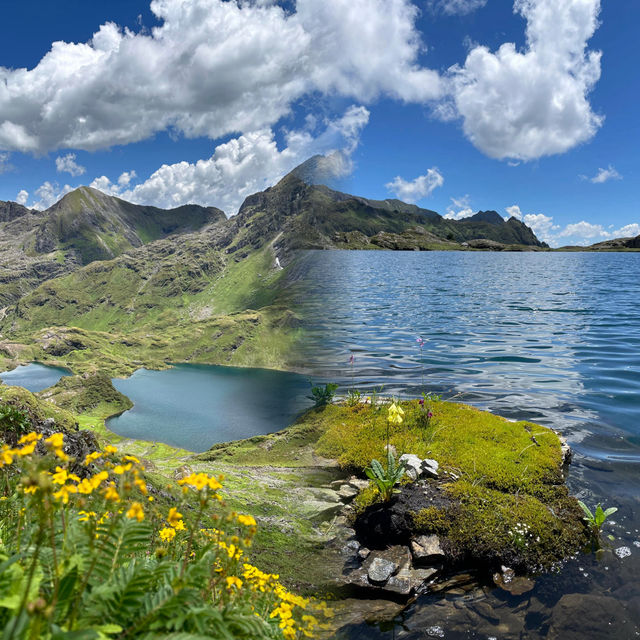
(363, 552)
(347, 493)
(430, 468)
(325, 495)
(319, 510)
(380, 570)
(427, 549)
(357, 483)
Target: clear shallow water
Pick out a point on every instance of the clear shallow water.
(553, 338)
(34, 377)
(196, 406)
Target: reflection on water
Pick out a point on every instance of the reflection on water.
(553, 338)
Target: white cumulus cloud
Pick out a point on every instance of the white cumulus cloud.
(459, 208)
(514, 212)
(606, 174)
(68, 164)
(22, 197)
(527, 104)
(212, 68)
(576, 233)
(237, 168)
(420, 187)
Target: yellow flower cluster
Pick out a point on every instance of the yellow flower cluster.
(395, 414)
(28, 442)
(200, 481)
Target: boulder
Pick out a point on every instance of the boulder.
(319, 510)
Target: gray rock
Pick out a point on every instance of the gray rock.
(325, 495)
(427, 549)
(430, 468)
(347, 493)
(567, 454)
(380, 570)
(363, 552)
(350, 548)
(357, 483)
(48, 423)
(319, 510)
(413, 465)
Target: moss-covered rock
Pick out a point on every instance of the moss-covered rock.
(500, 497)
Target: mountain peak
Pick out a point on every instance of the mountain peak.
(492, 217)
(321, 169)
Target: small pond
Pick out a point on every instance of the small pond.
(34, 377)
(196, 406)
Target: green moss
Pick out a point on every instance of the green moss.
(431, 520)
(478, 446)
(366, 498)
(519, 530)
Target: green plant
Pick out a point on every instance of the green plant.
(323, 395)
(353, 397)
(386, 479)
(13, 421)
(94, 558)
(375, 392)
(597, 519)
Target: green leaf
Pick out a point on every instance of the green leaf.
(587, 511)
(610, 511)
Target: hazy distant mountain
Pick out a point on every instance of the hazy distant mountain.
(615, 244)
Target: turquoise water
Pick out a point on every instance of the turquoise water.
(553, 338)
(34, 377)
(196, 406)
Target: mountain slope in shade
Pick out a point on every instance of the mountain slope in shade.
(100, 227)
(313, 216)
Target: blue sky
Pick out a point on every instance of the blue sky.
(528, 108)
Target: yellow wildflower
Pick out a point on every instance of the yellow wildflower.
(395, 414)
(120, 469)
(233, 581)
(31, 489)
(135, 512)
(86, 515)
(91, 457)
(30, 437)
(174, 516)
(111, 493)
(62, 475)
(6, 455)
(110, 449)
(179, 526)
(247, 521)
(64, 492)
(131, 459)
(141, 484)
(167, 534)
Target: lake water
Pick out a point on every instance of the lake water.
(196, 406)
(549, 337)
(34, 377)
